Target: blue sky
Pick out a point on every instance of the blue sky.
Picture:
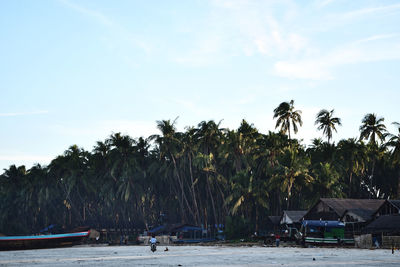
(74, 72)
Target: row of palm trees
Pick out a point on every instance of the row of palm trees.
(205, 175)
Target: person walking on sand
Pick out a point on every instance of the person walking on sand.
(277, 239)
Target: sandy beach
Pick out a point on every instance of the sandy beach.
(199, 256)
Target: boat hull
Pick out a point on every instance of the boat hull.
(329, 241)
(192, 241)
(41, 241)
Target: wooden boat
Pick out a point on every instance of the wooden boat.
(191, 241)
(42, 241)
(318, 232)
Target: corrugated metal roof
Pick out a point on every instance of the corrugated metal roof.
(295, 215)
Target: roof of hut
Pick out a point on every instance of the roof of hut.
(341, 205)
(384, 223)
(292, 216)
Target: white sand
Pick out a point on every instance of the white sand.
(199, 256)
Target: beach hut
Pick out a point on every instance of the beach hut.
(334, 209)
(290, 222)
(389, 207)
(385, 224)
(292, 218)
(356, 219)
(385, 231)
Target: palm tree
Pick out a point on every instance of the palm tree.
(209, 138)
(291, 172)
(327, 122)
(352, 156)
(70, 171)
(394, 141)
(247, 195)
(13, 203)
(171, 150)
(372, 127)
(287, 116)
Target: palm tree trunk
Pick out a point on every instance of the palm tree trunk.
(212, 200)
(350, 182)
(183, 195)
(372, 174)
(196, 208)
(256, 207)
(398, 186)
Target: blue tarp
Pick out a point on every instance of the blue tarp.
(51, 226)
(156, 229)
(189, 228)
(318, 223)
(182, 228)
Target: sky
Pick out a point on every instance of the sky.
(77, 71)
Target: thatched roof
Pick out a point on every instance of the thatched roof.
(384, 223)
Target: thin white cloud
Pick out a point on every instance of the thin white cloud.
(260, 29)
(89, 12)
(203, 54)
(296, 56)
(323, 3)
(243, 28)
(118, 31)
(367, 11)
(377, 37)
(14, 114)
(322, 67)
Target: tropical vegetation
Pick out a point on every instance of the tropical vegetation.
(205, 175)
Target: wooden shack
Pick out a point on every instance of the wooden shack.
(334, 209)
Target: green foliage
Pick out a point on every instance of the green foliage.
(205, 175)
(238, 227)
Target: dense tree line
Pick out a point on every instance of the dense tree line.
(206, 175)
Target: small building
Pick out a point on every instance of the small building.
(292, 218)
(290, 222)
(385, 224)
(389, 207)
(385, 231)
(357, 219)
